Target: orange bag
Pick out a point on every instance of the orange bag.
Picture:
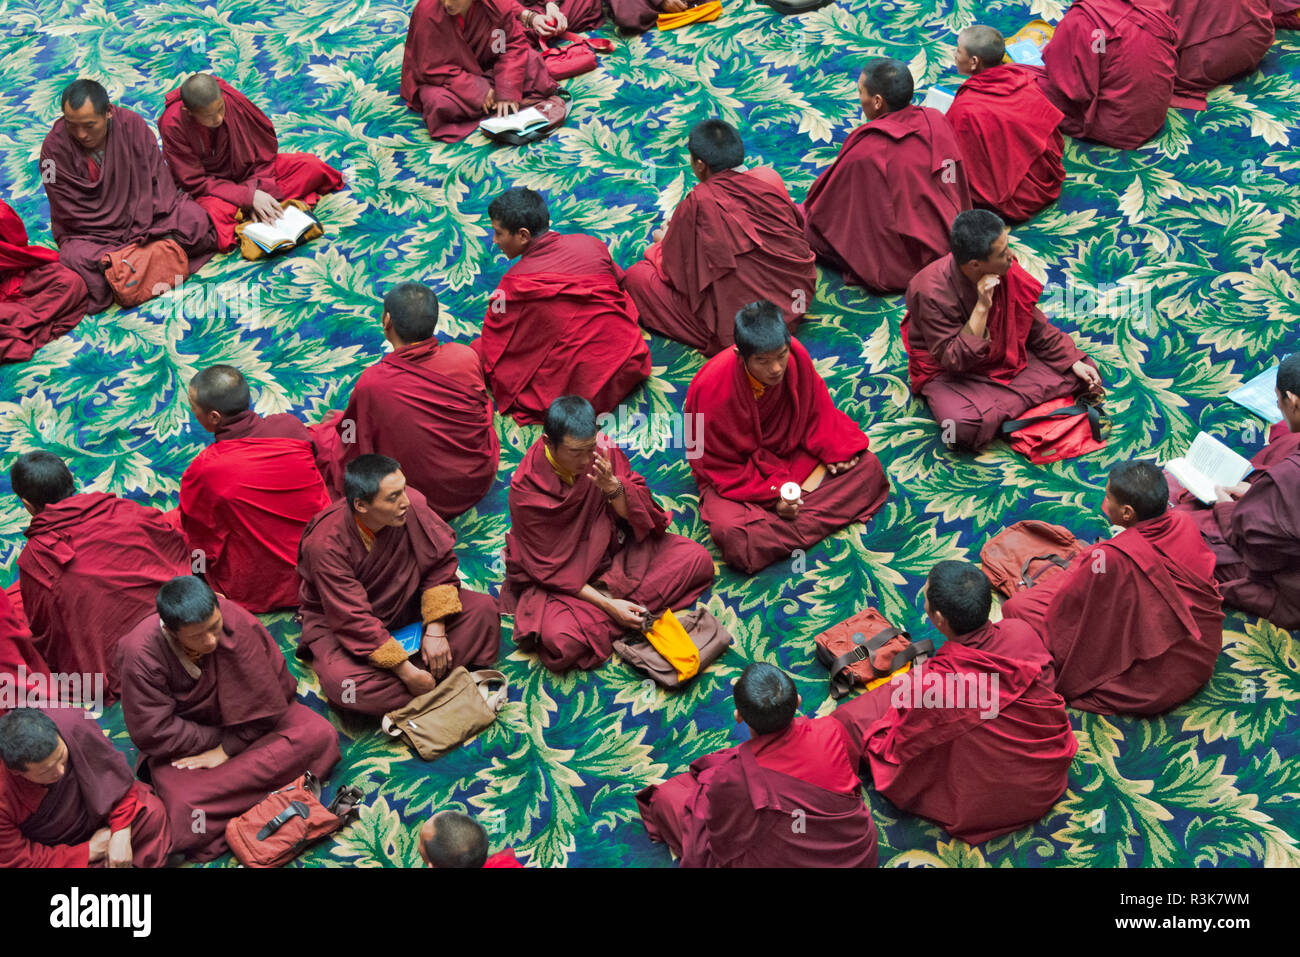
(138, 273)
(866, 650)
(1010, 556)
(1056, 429)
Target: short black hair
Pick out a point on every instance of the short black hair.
(766, 698)
(77, 92)
(221, 388)
(569, 415)
(716, 144)
(1141, 485)
(363, 475)
(973, 234)
(521, 208)
(458, 841)
(199, 90)
(961, 593)
(185, 600)
(983, 42)
(413, 307)
(1288, 375)
(759, 328)
(891, 79)
(42, 478)
(27, 736)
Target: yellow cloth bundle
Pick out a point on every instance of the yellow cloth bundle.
(700, 14)
(669, 638)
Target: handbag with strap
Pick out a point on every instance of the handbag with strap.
(1055, 430)
(141, 271)
(867, 650)
(441, 720)
(670, 664)
(1026, 553)
(280, 826)
(575, 57)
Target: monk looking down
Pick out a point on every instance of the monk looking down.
(451, 840)
(40, 298)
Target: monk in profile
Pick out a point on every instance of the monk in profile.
(40, 298)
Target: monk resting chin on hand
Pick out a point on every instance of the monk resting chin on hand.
(626, 613)
(502, 108)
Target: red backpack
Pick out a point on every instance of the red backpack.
(280, 826)
(1023, 554)
(1056, 429)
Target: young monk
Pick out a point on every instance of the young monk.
(974, 739)
(738, 807)
(373, 563)
(108, 187)
(40, 299)
(736, 238)
(979, 350)
(1007, 129)
(881, 211)
(768, 420)
(223, 151)
(1217, 40)
(558, 323)
(588, 553)
(451, 839)
(67, 798)
(1135, 624)
(210, 703)
(246, 498)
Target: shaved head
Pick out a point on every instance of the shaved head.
(199, 91)
(985, 43)
(221, 388)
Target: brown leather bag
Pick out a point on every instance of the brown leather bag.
(280, 826)
(705, 632)
(1026, 553)
(443, 719)
(865, 650)
(138, 273)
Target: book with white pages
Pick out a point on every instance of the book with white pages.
(524, 121)
(285, 233)
(1260, 396)
(939, 98)
(1206, 464)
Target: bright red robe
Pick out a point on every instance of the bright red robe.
(16, 647)
(907, 168)
(558, 324)
(1217, 40)
(505, 858)
(40, 299)
(1010, 138)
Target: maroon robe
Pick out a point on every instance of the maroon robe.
(563, 537)
(1286, 14)
(352, 598)
(735, 239)
(558, 324)
(40, 299)
(451, 63)
(244, 502)
(750, 447)
(91, 569)
(582, 15)
(1118, 95)
(241, 698)
(635, 16)
(976, 384)
(977, 777)
(1009, 137)
(907, 168)
(1135, 625)
(222, 168)
(51, 826)
(786, 799)
(1217, 40)
(130, 198)
(17, 649)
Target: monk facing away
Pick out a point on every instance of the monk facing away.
(881, 211)
(975, 739)
(787, 797)
(378, 561)
(40, 298)
(1110, 69)
(768, 421)
(451, 839)
(246, 498)
(209, 701)
(223, 151)
(1135, 624)
(68, 799)
(91, 567)
(109, 187)
(1217, 41)
(734, 239)
(979, 350)
(1007, 129)
(558, 323)
(588, 553)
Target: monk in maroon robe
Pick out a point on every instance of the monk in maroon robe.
(466, 60)
(246, 498)
(558, 323)
(979, 349)
(1007, 129)
(91, 567)
(18, 652)
(787, 797)
(378, 561)
(223, 151)
(1217, 41)
(736, 238)
(109, 187)
(1286, 15)
(588, 553)
(1110, 68)
(543, 19)
(209, 701)
(40, 299)
(881, 211)
(1135, 624)
(768, 422)
(975, 738)
(451, 839)
(67, 798)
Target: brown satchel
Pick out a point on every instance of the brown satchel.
(1026, 553)
(866, 650)
(443, 719)
(705, 632)
(139, 272)
(279, 827)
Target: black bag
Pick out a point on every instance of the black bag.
(788, 7)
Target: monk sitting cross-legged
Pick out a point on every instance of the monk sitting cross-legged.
(1217, 40)
(588, 554)
(768, 420)
(40, 299)
(451, 839)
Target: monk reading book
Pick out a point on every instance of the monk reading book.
(768, 423)
(1217, 41)
(40, 299)
(451, 839)
(588, 553)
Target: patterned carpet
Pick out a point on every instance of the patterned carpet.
(1192, 244)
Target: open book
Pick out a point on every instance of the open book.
(285, 233)
(1206, 464)
(939, 98)
(1260, 396)
(525, 121)
(1026, 52)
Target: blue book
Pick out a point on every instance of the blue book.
(1025, 52)
(410, 637)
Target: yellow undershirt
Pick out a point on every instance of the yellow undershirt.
(757, 387)
(566, 477)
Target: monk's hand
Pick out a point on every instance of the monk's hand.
(788, 510)
(490, 101)
(674, 6)
(436, 650)
(985, 288)
(417, 680)
(1230, 493)
(265, 207)
(99, 844)
(835, 468)
(626, 613)
(120, 853)
(657, 236)
(506, 107)
(602, 473)
(553, 23)
(212, 758)
(1088, 374)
